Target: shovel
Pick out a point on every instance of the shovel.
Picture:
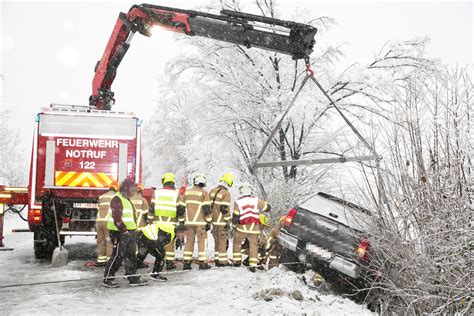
(60, 255)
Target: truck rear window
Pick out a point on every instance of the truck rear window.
(87, 126)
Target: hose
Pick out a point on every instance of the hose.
(16, 211)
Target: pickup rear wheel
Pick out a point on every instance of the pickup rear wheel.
(290, 259)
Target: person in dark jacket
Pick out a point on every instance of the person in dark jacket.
(122, 225)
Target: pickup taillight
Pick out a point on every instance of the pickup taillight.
(289, 218)
(362, 250)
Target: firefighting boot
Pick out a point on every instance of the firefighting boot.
(110, 283)
(252, 269)
(187, 266)
(204, 266)
(157, 277)
(237, 265)
(170, 265)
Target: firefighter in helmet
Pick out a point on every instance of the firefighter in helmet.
(104, 245)
(166, 206)
(122, 224)
(153, 239)
(198, 219)
(141, 208)
(220, 207)
(246, 221)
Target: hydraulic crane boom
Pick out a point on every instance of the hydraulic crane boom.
(249, 30)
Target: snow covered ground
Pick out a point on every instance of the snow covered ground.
(225, 291)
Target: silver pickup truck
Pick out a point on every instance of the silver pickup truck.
(328, 234)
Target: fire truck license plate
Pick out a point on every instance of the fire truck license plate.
(84, 205)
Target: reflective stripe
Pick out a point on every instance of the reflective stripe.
(196, 223)
(221, 203)
(151, 231)
(166, 201)
(193, 193)
(194, 202)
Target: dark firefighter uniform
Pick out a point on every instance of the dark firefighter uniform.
(122, 225)
(154, 238)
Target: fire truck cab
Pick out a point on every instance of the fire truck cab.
(77, 153)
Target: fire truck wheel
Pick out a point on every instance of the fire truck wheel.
(44, 243)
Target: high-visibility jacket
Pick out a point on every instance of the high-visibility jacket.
(166, 201)
(104, 205)
(198, 211)
(247, 211)
(141, 207)
(128, 214)
(220, 205)
(151, 231)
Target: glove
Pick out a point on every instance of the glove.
(208, 226)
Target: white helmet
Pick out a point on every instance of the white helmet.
(199, 178)
(245, 189)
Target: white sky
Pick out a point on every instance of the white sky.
(49, 48)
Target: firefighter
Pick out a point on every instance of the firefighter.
(104, 245)
(246, 223)
(198, 219)
(153, 239)
(264, 223)
(122, 225)
(141, 207)
(220, 207)
(166, 206)
(272, 248)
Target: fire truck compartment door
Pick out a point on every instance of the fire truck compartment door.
(49, 165)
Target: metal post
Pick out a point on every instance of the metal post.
(321, 161)
(2, 211)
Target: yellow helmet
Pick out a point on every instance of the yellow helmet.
(227, 178)
(167, 177)
(318, 279)
(264, 220)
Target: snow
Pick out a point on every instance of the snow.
(217, 291)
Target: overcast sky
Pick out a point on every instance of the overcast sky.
(49, 48)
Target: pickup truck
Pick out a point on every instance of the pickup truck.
(329, 235)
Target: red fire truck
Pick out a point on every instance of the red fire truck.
(79, 150)
(77, 153)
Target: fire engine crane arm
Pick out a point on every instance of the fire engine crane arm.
(249, 30)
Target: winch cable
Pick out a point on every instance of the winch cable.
(125, 276)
